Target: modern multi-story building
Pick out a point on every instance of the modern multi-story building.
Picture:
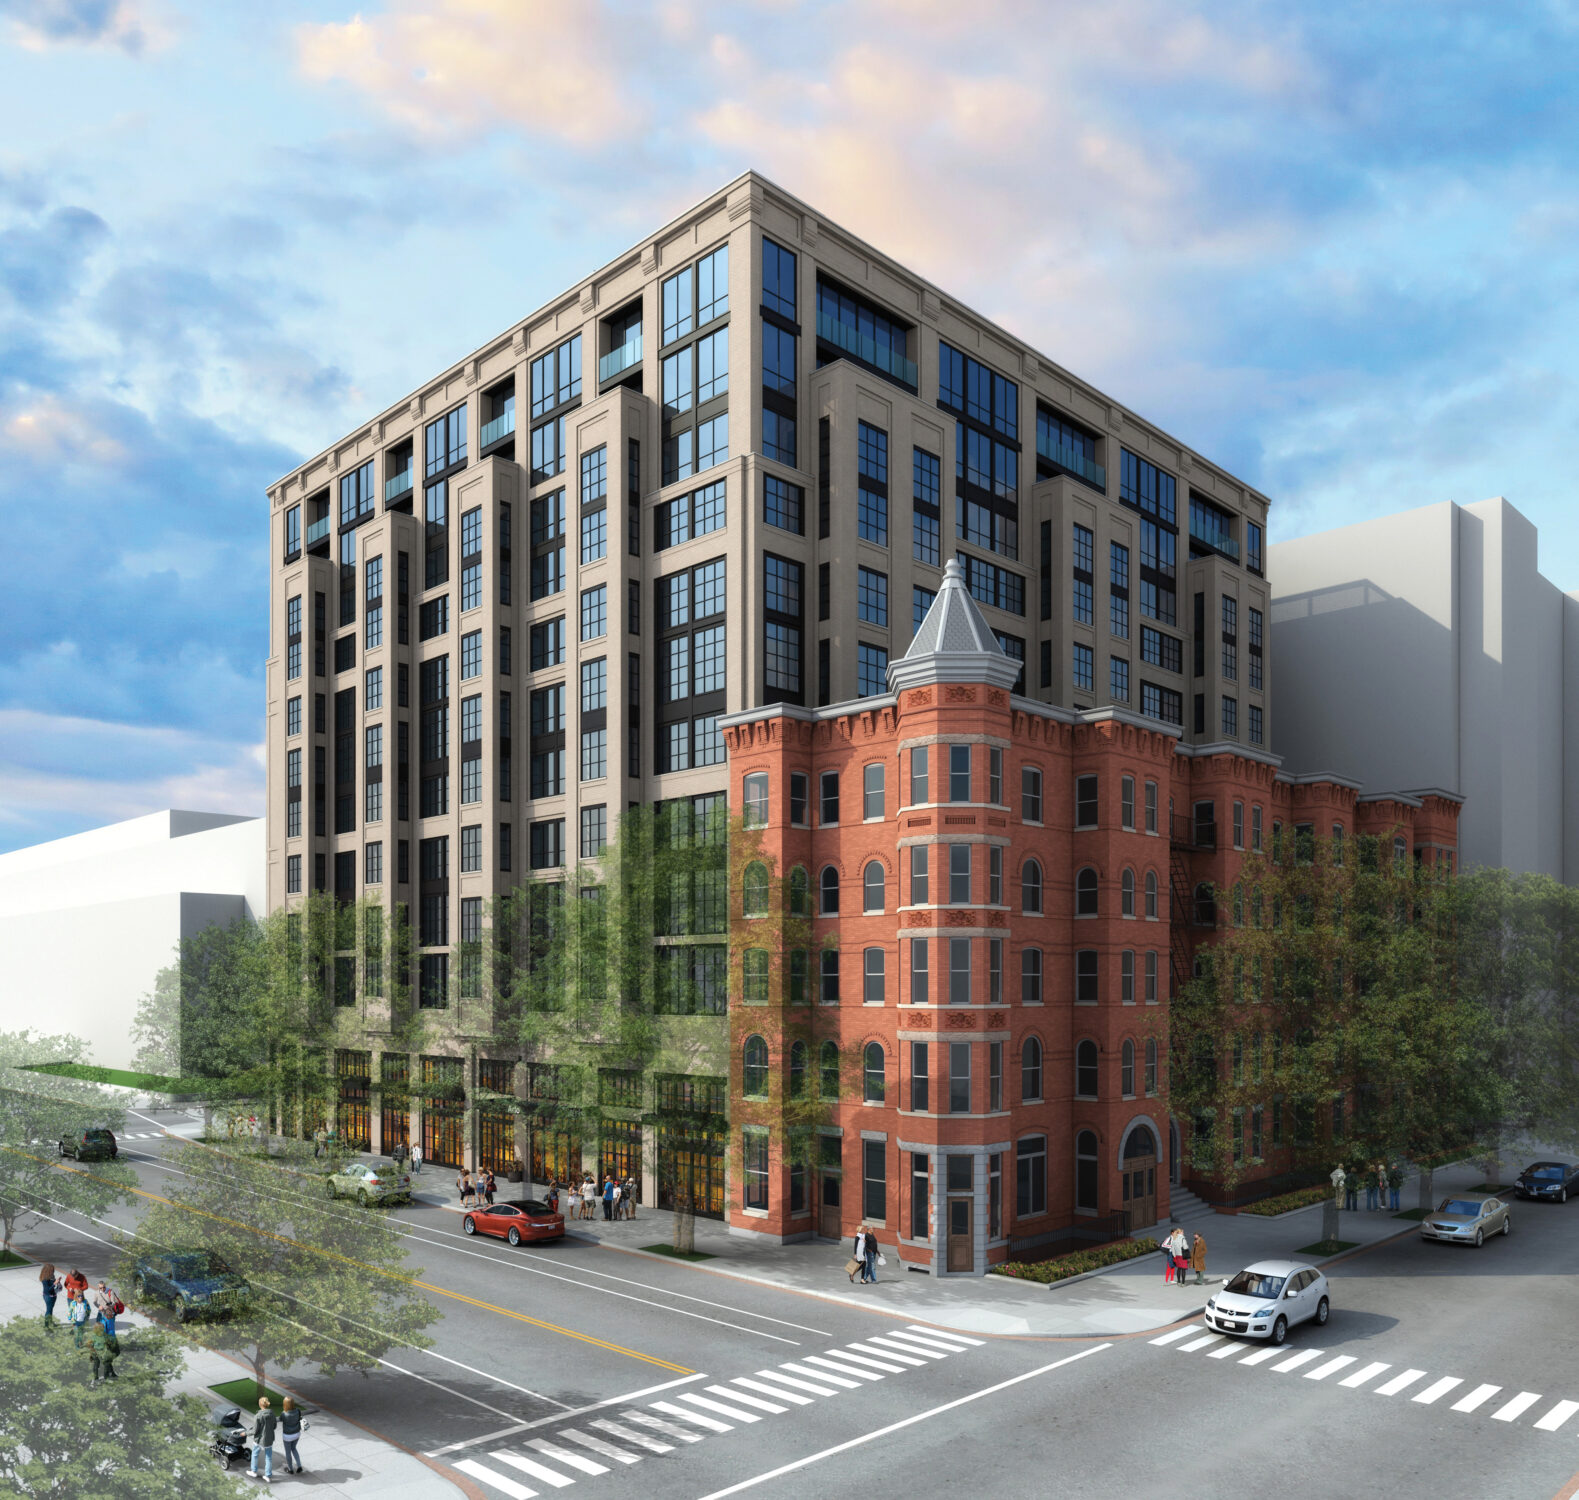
(1427, 649)
(524, 597)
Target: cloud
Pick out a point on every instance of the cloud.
(38, 25)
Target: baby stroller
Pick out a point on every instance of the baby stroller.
(228, 1441)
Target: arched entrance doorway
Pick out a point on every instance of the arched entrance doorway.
(1138, 1168)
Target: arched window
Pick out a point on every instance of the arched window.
(1126, 1070)
(829, 890)
(754, 1068)
(1030, 1070)
(797, 1071)
(872, 1073)
(1151, 1065)
(1031, 887)
(1126, 886)
(1205, 906)
(1151, 894)
(1086, 893)
(754, 891)
(1086, 1069)
(755, 788)
(799, 892)
(828, 1070)
(1086, 1170)
(872, 882)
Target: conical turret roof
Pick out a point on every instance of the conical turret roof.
(954, 643)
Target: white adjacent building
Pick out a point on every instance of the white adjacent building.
(1426, 650)
(87, 922)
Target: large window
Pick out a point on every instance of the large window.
(871, 670)
(778, 279)
(986, 450)
(1030, 1177)
(783, 504)
(850, 327)
(690, 666)
(1031, 1071)
(872, 484)
(874, 1180)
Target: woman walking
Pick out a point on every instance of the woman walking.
(489, 1188)
(871, 1257)
(1179, 1249)
(463, 1185)
(572, 1202)
(49, 1285)
(291, 1425)
(617, 1192)
(1198, 1259)
(858, 1254)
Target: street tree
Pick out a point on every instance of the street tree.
(330, 1283)
(38, 1111)
(125, 1439)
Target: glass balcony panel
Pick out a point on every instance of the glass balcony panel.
(397, 485)
(317, 531)
(866, 349)
(500, 427)
(617, 361)
(1075, 462)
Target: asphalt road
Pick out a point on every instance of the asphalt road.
(577, 1367)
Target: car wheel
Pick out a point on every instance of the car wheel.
(334, 1192)
(1322, 1312)
(1280, 1329)
(1480, 1238)
(469, 1224)
(361, 1197)
(182, 1312)
(515, 1235)
(1507, 1225)
(1562, 1197)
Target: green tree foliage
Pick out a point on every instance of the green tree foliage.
(37, 1111)
(62, 1438)
(330, 1282)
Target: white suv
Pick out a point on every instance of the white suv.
(1265, 1300)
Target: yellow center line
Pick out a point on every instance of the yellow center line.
(426, 1286)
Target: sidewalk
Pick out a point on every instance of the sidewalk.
(340, 1458)
(1127, 1298)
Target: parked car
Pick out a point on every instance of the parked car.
(1548, 1179)
(1467, 1221)
(519, 1219)
(1265, 1300)
(196, 1283)
(371, 1182)
(96, 1144)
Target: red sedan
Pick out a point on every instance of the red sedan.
(520, 1219)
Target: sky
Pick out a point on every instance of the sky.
(1331, 245)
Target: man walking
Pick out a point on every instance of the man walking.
(608, 1197)
(263, 1429)
(416, 1159)
(1395, 1182)
(1371, 1189)
(108, 1306)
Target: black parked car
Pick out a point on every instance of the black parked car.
(96, 1144)
(196, 1283)
(1549, 1179)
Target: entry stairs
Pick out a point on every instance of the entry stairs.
(1185, 1207)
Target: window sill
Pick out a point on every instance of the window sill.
(755, 1213)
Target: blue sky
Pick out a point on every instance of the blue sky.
(1332, 246)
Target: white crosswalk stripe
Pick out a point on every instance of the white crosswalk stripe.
(1260, 1356)
(893, 1344)
(1226, 1352)
(719, 1407)
(565, 1456)
(776, 1392)
(646, 1419)
(1370, 1372)
(1321, 1372)
(1296, 1360)
(1477, 1397)
(1200, 1343)
(945, 1338)
(1557, 1416)
(685, 1414)
(531, 1466)
(865, 1361)
(599, 1445)
(1514, 1409)
(839, 1380)
(630, 1435)
(1400, 1382)
(844, 1367)
(925, 1345)
(501, 1482)
(730, 1394)
(1175, 1334)
(904, 1359)
(1437, 1390)
(800, 1385)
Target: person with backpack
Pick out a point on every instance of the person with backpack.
(263, 1429)
(49, 1285)
(108, 1306)
(291, 1426)
(102, 1349)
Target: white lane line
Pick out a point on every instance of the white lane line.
(915, 1341)
(734, 1413)
(946, 1338)
(865, 1361)
(1321, 1372)
(1174, 1335)
(498, 1481)
(843, 1368)
(921, 1416)
(1260, 1356)
(565, 1456)
(1228, 1350)
(1297, 1360)
(1398, 1382)
(776, 1392)
(1437, 1390)
(904, 1359)
(1477, 1397)
(532, 1467)
(692, 1416)
(630, 1435)
(1511, 1411)
(597, 1445)
(800, 1385)
(1557, 1416)
(892, 1346)
(1370, 1372)
(1200, 1343)
(733, 1395)
(646, 1419)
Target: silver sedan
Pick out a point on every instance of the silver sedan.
(1467, 1221)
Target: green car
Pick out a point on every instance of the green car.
(371, 1182)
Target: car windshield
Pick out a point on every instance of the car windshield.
(533, 1206)
(1545, 1169)
(197, 1263)
(1459, 1206)
(1256, 1284)
(98, 1135)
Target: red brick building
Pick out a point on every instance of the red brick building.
(1002, 896)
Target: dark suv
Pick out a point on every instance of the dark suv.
(97, 1144)
(196, 1283)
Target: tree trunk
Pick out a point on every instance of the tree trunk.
(257, 1368)
(684, 1221)
(1493, 1160)
(1329, 1221)
(1426, 1174)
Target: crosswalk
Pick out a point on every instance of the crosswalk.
(671, 1424)
(1501, 1406)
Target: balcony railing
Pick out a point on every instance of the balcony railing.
(616, 361)
(317, 531)
(867, 350)
(1214, 537)
(1075, 462)
(396, 486)
(498, 429)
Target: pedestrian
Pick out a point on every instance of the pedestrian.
(49, 1285)
(320, 1139)
(76, 1281)
(263, 1428)
(1167, 1259)
(77, 1316)
(553, 1198)
(1198, 1259)
(1381, 1185)
(102, 1349)
(463, 1185)
(1371, 1188)
(589, 1194)
(573, 1201)
(416, 1159)
(1179, 1248)
(398, 1155)
(490, 1187)
(858, 1254)
(1351, 1190)
(872, 1253)
(291, 1425)
(108, 1306)
(608, 1197)
(630, 1197)
(619, 1193)
(1395, 1182)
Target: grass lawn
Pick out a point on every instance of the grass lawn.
(1322, 1247)
(8, 1259)
(674, 1254)
(147, 1082)
(1417, 1214)
(245, 1393)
